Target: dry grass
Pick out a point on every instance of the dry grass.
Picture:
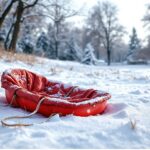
(133, 124)
(10, 57)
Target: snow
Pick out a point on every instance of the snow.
(91, 101)
(130, 102)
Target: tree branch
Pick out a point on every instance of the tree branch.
(31, 5)
(6, 11)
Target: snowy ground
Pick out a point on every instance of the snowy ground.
(130, 89)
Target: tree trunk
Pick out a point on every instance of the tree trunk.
(20, 9)
(56, 49)
(56, 38)
(6, 11)
(7, 37)
(108, 53)
(108, 50)
(108, 57)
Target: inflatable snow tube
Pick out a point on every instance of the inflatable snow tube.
(25, 89)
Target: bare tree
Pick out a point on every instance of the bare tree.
(146, 20)
(18, 18)
(146, 17)
(22, 6)
(6, 10)
(104, 24)
(59, 11)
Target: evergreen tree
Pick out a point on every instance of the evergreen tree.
(74, 52)
(89, 56)
(45, 45)
(26, 41)
(134, 44)
(42, 42)
(26, 45)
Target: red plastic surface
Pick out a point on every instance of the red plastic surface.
(29, 88)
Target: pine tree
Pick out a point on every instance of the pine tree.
(26, 45)
(74, 52)
(134, 44)
(26, 42)
(89, 56)
(42, 42)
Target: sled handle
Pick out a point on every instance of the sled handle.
(4, 123)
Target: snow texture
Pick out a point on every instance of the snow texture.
(130, 102)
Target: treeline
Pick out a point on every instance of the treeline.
(41, 27)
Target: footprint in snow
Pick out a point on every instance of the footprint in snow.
(121, 114)
(38, 134)
(144, 100)
(136, 92)
(115, 108)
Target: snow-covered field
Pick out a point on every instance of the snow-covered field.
(130, 102)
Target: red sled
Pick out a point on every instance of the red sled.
(26, 89)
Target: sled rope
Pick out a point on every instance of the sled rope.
(13, 99)
(5, 105)
(71, 90)
(4, 123)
